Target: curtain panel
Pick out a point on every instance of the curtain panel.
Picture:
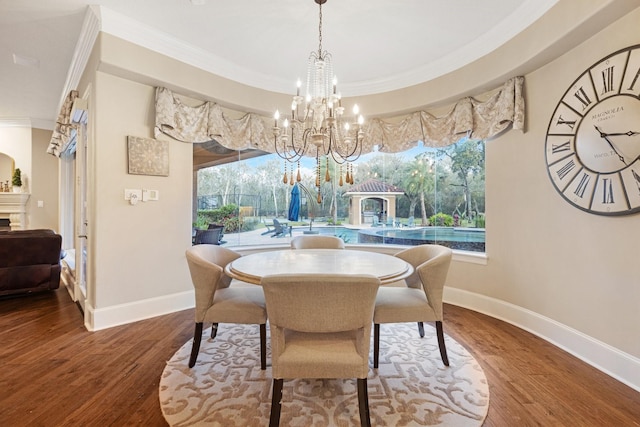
(476, 119)
(61, 136)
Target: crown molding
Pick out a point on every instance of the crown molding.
(15, 122)
(88, 35)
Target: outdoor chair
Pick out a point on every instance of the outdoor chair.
(320, 328)
(280, 230)
(208, 237)
(221, 227)
(420, 300)
(217, 302)
(317, 242)
(270, 229)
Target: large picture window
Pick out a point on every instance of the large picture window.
(422, 195)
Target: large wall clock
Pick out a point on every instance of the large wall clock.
(593, 139)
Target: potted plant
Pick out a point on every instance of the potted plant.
(16, 180)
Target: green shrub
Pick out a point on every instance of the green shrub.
(227, 215)
(441, 219)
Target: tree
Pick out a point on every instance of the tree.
(418, 180)
(467, 161)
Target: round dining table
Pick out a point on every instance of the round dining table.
(252, 268)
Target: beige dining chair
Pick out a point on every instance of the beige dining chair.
(420, 300)
(217, 302)
(317, 242)
(320, 328)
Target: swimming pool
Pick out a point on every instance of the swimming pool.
(466, 239)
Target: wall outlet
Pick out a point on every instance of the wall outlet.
(128, 192)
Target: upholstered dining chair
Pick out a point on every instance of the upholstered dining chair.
(420, 300)
(217, 302)
(311, 241)
(320, 328)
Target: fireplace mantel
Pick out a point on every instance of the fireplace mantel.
(14, 207)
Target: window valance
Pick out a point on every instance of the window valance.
(480, 120)
(62, 132)
(206, 122)
(477, 119)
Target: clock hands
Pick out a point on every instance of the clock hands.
(630, 133)
(604, 135)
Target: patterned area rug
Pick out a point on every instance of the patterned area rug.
(411, 387)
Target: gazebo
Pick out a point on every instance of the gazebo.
(372, 198)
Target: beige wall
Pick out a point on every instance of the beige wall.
(547, 260)
(44, 183)
(137, 251)
(544, 255)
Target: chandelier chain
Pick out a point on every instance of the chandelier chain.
(320, 34)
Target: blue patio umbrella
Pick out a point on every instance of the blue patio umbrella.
(294, 205)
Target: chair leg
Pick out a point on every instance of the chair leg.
(363, 403)
(421, 329)
(263, 346)
(214, 330)
(443, 349)
(276, 398)
(195, 348)
(376, 344)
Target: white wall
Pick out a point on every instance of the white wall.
(15, 141)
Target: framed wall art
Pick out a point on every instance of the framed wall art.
(148, 156)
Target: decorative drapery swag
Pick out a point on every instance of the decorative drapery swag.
(207, 122)
(62, 132)
(480, 120)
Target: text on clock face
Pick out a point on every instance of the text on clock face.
(601, 116)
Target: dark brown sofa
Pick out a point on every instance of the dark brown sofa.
(29, 261)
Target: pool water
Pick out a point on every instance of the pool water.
(456, 238)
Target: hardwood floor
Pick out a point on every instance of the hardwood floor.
(55, 373)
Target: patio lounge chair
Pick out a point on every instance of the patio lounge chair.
(270, 229)
(280, 230)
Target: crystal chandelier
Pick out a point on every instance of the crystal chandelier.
(318, 120)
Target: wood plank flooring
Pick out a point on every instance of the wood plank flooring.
(55, 373)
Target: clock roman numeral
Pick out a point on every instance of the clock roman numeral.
(564, 170)
(637, 178)
(635, 79)
(607, 80)
(583, 98)
(561, 121)
(582, 185)
(607, 191)
(557, 148)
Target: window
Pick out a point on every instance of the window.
(423, 195)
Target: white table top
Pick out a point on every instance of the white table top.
(251, 268)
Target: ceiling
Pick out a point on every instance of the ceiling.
(377, 45)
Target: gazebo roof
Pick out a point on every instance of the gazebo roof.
(373, 186)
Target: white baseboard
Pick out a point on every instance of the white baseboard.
(102, 318)
(610, 360)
